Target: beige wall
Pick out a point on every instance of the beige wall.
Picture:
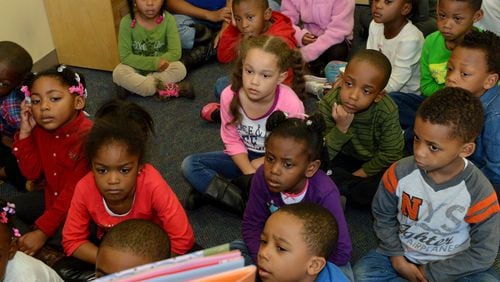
(25, 22)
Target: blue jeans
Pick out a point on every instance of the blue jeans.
(377, 267)
(408, 105)
(220, 85)
(199, 169)
(187, 31)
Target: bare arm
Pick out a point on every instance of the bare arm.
(86, 252)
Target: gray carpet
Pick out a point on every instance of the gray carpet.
(180, 132)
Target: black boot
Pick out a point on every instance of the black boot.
(244, 182)
(227, 194)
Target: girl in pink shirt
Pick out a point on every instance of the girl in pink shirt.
(256, 92)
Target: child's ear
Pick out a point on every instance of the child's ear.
(268, 14)
(379, 96)
(312, 167)
(283, 76)
(12, 248)
(478, 15)
(315, 265)
(79, 103)
(467, 149)
(490, 81)
(406, 10)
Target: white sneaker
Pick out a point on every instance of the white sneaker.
(317, 88)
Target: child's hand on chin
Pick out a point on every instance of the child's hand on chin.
(31, 242)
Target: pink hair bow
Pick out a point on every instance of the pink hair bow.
(27, 93)
(79, 90)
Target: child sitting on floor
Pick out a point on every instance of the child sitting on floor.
(150, 49)
(475, 65)
(436, 214)
(131, 243)
(15, 64)
(49, 144)
(322, 30)
(291, 174)
(296, 243)
(251, 17)
(14, 265)
(121, 185)
(362, 133)
(255, 93)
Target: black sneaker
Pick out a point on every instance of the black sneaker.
(202, 33)
(194, 200)
(198, 55)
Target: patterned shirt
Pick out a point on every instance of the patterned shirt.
(10, 112)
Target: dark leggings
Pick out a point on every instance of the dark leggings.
(359, 191)
(336, 52)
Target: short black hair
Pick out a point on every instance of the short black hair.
(140, 237)
(475, 5)
(377, 59)
(262, 3)
(16, 57)
(457, 108)
(320, 230)
(122, 122)
(487, 42)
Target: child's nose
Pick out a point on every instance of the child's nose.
(113, 177)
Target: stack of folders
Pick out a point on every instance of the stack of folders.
(209, 265)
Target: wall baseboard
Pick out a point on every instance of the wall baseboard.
(46, 62)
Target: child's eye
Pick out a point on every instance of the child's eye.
(416, 138)
(367, 92)
(250, 18)
(237, 19)
(464, 74)
(249, 71)
(263, 242)
(270, 159)
(55, 99)
(266, 76)
(442, 16)
(348, 83)
(35, 102)
(433, 148)
(457, 19)
(125, 170)
(101, 170)
(280, 249)
(288, 165)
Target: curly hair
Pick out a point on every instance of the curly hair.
(456, 108)
(287, 59)
(308, 130)
(120, 121)
(487, 42)
(264, 4)
(320, 230)
(140, 237)
(65, 75)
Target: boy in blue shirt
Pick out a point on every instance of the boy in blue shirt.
(296, 243)
(475, 66)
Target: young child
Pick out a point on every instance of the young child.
(49, 144)
(150, 49)
(436, 215)
(255, 93)
(291, 174)
(15, 64)
(295, 245)
(362, 134)
(121, 185)
(14, 265)
(455, 18)
(474, 65)
(399, 40)
(251, 17)
(323, 36)
(131, 243)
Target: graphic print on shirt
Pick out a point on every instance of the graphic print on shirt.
(432, 225)
(252, 133)
(438, 72)
(147, 47)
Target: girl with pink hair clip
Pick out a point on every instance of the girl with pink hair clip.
(49, 145)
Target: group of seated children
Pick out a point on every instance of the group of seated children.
(436, 213)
